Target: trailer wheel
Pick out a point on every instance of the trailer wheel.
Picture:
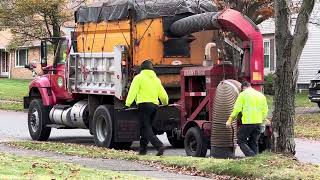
(172, 138)
(38, 118)
(195, 143)
(102, 127)
(264, 143)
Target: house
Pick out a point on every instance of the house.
(309, 63)
(12, 61)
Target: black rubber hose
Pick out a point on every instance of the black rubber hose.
(195, 23)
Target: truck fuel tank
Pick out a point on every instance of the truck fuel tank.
(73, 117)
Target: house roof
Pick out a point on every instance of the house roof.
(5, 38)
(267, 26)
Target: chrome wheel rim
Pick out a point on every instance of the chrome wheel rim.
(35, 120)
(101, 129)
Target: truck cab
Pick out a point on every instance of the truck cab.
(314, 89)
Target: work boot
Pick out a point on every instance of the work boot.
(160, 151)
(142, 151)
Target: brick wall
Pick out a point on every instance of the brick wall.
(21, 72)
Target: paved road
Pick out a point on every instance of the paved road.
(13, 126)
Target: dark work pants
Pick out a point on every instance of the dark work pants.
(248, 136)
(147, 112)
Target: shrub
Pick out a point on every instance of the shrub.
(268, 85)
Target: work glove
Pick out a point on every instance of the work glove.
(229, 122)
(262, 128)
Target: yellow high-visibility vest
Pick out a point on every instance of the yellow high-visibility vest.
(253, 106)
(146, 87)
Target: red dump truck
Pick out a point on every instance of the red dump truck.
(87, 83)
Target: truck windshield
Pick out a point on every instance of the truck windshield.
(62, 51)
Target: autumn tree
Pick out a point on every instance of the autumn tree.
(291, 45)
(31, 20)
(257, 10)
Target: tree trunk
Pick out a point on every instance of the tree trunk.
(289, 49)
(283, 116)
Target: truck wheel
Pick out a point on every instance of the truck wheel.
(38, 118)
(318, 105)
(102, 127)
(195, 143)
(172, 138)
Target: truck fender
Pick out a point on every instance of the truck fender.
(205, 126)
(42, 84)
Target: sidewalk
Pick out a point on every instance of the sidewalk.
(127, 167)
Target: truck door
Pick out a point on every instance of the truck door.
(58, 78)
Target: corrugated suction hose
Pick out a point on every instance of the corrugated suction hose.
(195, 23)
(222, 138)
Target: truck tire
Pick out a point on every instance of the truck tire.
(38, 118)
(102, 127)
(172, 138)
(195, 143)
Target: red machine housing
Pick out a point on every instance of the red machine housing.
(198, 84)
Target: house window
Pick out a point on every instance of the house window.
(21, 57)
(266, 53)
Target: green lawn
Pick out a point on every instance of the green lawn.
(12, 92)
(263, 166)
(302, 100)
(13, 89)
(17, 167)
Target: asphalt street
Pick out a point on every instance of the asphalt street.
(13, 126)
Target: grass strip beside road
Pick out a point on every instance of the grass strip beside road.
(11, 105)
(307, 126)
(18, 167)
(263, 166)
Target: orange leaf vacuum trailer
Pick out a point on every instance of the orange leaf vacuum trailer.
(87, 83)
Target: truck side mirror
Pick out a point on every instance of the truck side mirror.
(44, 54)
(319, 71)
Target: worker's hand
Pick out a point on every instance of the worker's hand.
(229, 122)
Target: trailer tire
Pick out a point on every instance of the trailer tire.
(264, 143)
(38, 118)
(172, 138)
(195, 143)
(102, 127)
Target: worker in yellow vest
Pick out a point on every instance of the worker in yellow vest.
(146, 89)
(253, 106)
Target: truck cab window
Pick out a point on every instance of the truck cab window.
(62, 52)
